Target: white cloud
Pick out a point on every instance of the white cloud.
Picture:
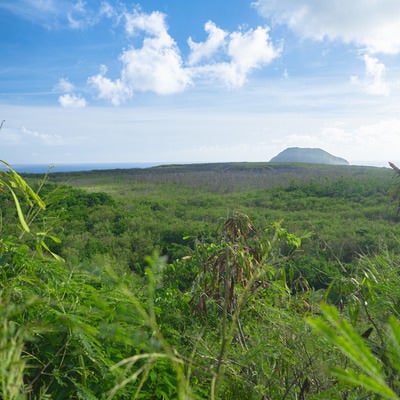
(153, 24)
(116, 91)
(246, 51)
(80, 16)
(373, 25)
(155, 69)
(158, 66)
(251, 50)
(72, 101)
(107, 10)
(64, 85)
(69, 99)
(205, 50)
(374, 81)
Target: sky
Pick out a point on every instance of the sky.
(184, 81)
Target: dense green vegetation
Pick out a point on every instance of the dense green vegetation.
(346, 211)
(221, 281)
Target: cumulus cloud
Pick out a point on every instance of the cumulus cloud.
(158, 67)
(116, 91)
(72, 101)
(205, 50)
(153, 24)
(374, 80)
(373, 25)
(250, 50)
(244, 51)
(64, 85)
(69, 99)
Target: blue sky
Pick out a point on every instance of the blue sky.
(198, 81)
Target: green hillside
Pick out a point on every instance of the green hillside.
(203, 281)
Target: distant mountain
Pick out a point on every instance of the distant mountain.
(307, 155)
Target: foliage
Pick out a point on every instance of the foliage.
(347, 209)
(65, 329)
(224, 307)
(369, 373)
(11, 181)
(395, 190)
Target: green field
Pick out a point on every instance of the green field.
(346, 210)
(220, 281)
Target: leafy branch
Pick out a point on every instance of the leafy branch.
(13, 182)
(369, 373)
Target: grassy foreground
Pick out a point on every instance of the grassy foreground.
(220, 281)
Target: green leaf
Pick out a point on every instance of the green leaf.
(340, 333)
(394, 343)
(41, 244)
(19, 211)
(26, 189)
(55, 239)
(367, 382)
